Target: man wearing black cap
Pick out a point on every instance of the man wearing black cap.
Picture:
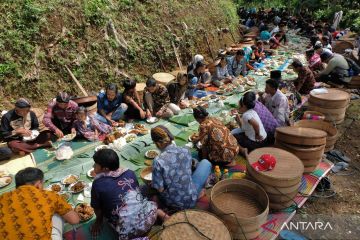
(19, 123)
(337, 69)
(60, 115)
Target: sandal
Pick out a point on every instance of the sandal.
(339, 167)
(339, 155)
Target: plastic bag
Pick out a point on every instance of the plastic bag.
(64, 152)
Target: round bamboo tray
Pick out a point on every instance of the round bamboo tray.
(90, 103)
(243, 206)
(280, 206)
(287, 171)
(140, 87)
(302, 152)
(301, 136)
(163, 78)
(187, 223)
(335, 98)
(332, 132)
(144, 172)
(280, 198)
(310, 169)
(341, 46)
(335, 115)
(276, 190)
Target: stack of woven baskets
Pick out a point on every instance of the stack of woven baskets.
(281, 183)
(332, 104)
(330, 129)
(242, 204)
(308, 144)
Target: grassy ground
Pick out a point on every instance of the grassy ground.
(39, 37)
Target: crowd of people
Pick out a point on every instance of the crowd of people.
(29, 212)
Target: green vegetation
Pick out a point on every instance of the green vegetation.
(39, 37)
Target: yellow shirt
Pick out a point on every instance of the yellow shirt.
(26, 213)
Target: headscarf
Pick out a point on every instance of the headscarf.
(62, 97)
(161, 134)
(197, 58)
(22, 103)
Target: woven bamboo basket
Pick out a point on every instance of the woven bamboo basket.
(330, 129)
(302, 152)
(287, 171)
(335, 115)
(275, 190)
(280, 198)
(310, 169)
(335, 98)
(190, 224)
(163, 78)
(354, 82)
(301, 136)
(243, 206)
(281, 206)
(341, 46)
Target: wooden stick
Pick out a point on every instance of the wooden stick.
(77, 82)
(177, 56)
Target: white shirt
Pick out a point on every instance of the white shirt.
(278, 105)
(248, 128)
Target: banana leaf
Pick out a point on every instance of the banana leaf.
(184, 119)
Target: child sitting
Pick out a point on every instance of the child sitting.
(89, 127)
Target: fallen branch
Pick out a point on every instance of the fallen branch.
(120, 40)
(77, 82)
(177, 55)
(209, 47)
(161, 62)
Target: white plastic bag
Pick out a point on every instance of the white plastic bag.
(64, 152)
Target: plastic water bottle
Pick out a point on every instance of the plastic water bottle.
(217, 174)
(225, 174)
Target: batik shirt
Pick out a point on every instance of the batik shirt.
(172, 172)
(160, 98)
(220, 145)
(305, 80)
(278, 105)
(117, 194)
(26, 213)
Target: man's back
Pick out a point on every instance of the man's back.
(26, 213)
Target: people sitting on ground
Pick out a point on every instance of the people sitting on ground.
(157, 101)
(305, 81)
(178, 90)
(260, 51)
(172, 175)
(248, 56)
(326, 32)
(269, 122)
(326, 43)
(251, 134)
(18, 124)
(89, 127)
(110, 106)
(199, 81)
(283, 37)
(197, 58)
(115, 196)
(274, 41)
(313, 40)
(30, 212)
(132, 99)
(336, 71)
(222, 75)
(276, 102)
(217, 143)
(265, 34)
(237, 64)
(314, 61)
(60, 115)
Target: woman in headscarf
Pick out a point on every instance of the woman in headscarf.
(178, 187)
(217, 143)
(19, 123)
(197, 58)
(177, 89)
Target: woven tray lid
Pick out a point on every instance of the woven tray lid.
(163, 78)
(332, 95)
(301, 135)
(140, 87)
(288, 166)
(206, 223)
